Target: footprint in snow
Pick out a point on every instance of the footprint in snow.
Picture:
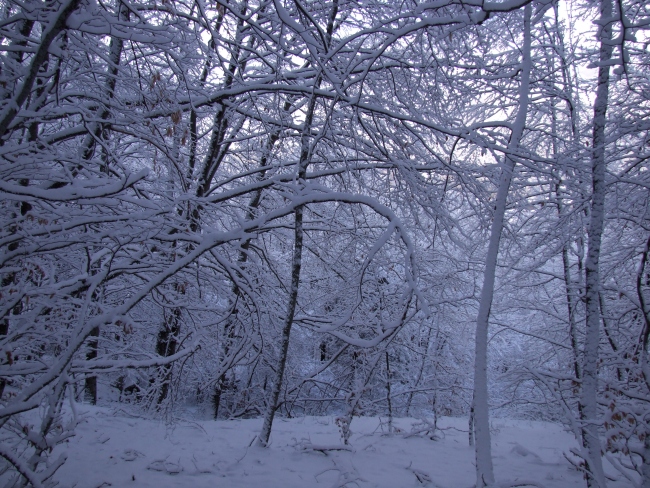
(131, 455)
(165, 467)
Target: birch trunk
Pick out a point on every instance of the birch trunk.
(483, 448)
(588, 399)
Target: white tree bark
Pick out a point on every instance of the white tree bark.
(588, 400)
(483, 449)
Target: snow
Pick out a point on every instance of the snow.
(113, 449)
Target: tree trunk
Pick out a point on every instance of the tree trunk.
(306, 150)
(588, 397)
(388, 399)
(483, 448)
(296, 266)
(90, 387)
(253, 204)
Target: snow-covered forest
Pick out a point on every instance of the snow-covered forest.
(264, 209)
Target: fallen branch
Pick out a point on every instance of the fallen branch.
(308, 446)
(421, 476)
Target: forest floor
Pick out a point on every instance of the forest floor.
(114, 449)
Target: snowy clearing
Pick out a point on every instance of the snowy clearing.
(114, 449)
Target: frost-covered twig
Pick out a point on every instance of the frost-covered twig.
(622, 469)
(21, 467)
(423, 427)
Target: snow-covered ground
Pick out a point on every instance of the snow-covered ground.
(113, 449)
